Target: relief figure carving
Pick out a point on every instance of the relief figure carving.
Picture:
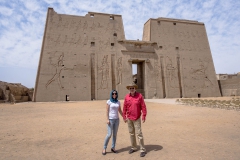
(171, 73)
(85, 26)
(157, 75)
(157, 70)
(119, 71)
(99, 25)
(201, 74)
(58, 69)
(104, 70)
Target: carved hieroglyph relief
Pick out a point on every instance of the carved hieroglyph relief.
(93, 26)
(72, 24)
(161, 73)
(198, 77)
(50, 41)
(75, 24)
(85, 26)
(103, 45)
(58, 40)
(100, 42)
(201, 74)
(60, 22)
(65, 25)
(157, 77)
(59, 66)
(85, 39)
(103, 70)
(65, 40)
(107, 43)
(157, 70)
(108, 28)
(78, 41)
(187, 37)
(119, 71)
(171, 73)
(73, 40)
(80, 28)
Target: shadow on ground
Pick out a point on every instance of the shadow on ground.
(149, 148)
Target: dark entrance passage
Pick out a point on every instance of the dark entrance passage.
(138, 75)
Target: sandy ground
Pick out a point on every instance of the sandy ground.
(76, 130)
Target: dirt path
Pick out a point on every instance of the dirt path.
(76, 130)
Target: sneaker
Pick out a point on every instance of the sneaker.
(142, 154)
(131, 151)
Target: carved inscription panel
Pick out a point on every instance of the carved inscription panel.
(171, 72)
(104, 73)
(186, 38)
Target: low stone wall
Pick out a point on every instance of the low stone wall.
(230, 87)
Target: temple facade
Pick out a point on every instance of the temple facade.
(85, 57)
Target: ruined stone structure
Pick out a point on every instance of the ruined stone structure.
(85, 57)
(229, 84)
(14, 92)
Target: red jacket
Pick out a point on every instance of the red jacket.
(133, 106)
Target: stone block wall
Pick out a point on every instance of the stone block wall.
(185, 58)
(85, 57)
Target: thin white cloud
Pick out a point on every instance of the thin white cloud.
(5, 11)
(31, 5)
(209, 4)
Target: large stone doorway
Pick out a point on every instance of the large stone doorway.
(139, 77)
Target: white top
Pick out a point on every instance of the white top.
(113, 109)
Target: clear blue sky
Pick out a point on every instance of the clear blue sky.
(22, 25)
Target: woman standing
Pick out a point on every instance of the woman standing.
(112, 109)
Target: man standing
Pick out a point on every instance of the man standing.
(133, 106)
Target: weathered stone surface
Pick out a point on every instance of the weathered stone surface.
(229, 84)
(85, 57)
(14, 92)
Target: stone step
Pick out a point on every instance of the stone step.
(19, 101)
(21, 98)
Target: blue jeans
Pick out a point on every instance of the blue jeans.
(112, 128)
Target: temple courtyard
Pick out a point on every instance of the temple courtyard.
(76, 130)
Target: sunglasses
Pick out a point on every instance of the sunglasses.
(114, 93)
(131, 88)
